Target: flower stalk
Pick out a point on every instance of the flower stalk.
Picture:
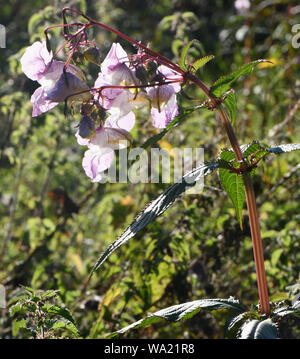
(250, 199)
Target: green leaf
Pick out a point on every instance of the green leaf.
(266, 330)
(201, 62)
(224, 83)
(157, 207)
(17, 325)
(230, 104)
(275, 256)
(184, 54)
(233, 325)
(248, 329)
(62, 312)
(60, 324)
(291, 310)
(256, 329)
(233, 185)
(182, 312)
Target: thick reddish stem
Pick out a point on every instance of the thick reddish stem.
(250, 199)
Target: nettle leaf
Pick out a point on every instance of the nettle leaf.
(157, 207)
(65, 324)
(62, 312)
(233, 184)
(181, 312)
(255, 329)
(201, 62)
(224, 83)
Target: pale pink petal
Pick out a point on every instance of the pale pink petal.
(35, 60)
(170, 75)
(81, 141)
(115, 56)
(94, 162)
(167, 113)
(126, 122)
(40, 102)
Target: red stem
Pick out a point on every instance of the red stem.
(250, 199)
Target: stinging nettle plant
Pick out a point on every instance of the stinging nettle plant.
(147, 78)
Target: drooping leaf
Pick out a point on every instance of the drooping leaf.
(182, 312)
(157, 207)
(224, 83)
(234, 324)
(230, 104)
(233, 184)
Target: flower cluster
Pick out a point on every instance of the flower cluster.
(125, 83)
(56, 85)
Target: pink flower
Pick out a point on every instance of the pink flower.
(112, 136)
(38, 65)
(115, 71)
(242, 6)
(163, 99)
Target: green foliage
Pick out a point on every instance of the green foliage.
(36, 316)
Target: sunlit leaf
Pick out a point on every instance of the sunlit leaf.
(182, 312)
(224, 83)
(157, 207)
(201, 62)
(255, 329)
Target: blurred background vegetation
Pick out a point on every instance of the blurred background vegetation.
(54, 223)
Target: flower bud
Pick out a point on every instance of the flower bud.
(151, 68)
(87, 128)
(141, 74)
(92, 54)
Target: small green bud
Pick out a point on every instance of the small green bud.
(92, 54)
